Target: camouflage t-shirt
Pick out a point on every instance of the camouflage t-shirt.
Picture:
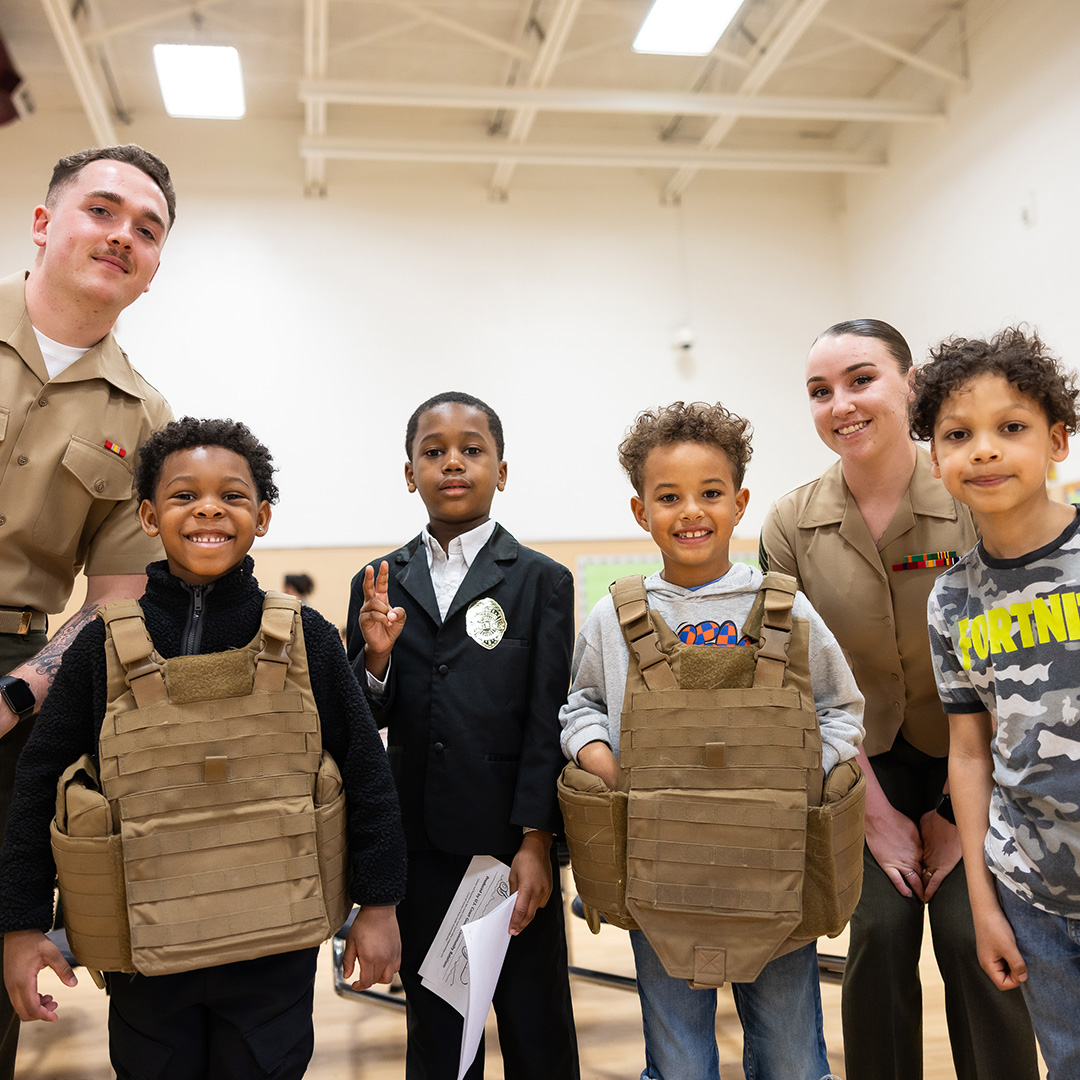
(1005, 637)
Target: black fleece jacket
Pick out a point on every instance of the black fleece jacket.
(229, 612)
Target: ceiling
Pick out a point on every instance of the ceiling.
(792, 86)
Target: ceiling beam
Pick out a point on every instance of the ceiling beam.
(794, 23)
(894, 51)
(316, 64)
(181, 11)
(72, 49)
(372, 37)
(463, 30)
(633, 157)
(588, 100)
(543, 67)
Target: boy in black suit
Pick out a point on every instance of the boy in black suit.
(480, 629)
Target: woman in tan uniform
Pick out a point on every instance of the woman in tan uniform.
(866, 541)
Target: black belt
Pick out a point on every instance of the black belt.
(22, 620)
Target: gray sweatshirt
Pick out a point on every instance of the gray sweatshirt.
(594, 709)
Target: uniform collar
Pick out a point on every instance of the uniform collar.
(105, 360)
(829, 502)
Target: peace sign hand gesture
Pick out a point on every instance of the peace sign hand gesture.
(379, 622)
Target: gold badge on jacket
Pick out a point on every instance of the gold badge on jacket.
(485, 622)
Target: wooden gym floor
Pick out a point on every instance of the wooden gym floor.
(360, 1041)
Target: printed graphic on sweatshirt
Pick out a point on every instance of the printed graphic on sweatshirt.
(1005, 638)
(711, 633)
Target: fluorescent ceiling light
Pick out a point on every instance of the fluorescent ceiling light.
(200, 80)
(685, 27)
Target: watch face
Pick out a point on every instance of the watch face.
(18, 695)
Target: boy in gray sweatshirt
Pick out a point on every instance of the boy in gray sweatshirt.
(686, 463)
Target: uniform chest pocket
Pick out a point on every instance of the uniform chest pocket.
(86, 474)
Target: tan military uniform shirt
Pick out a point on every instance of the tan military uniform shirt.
(66, 501)
(878, 614)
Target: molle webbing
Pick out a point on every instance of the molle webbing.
(721, 842)
(717, 782)
(209, 764)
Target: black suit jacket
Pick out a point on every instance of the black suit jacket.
(474, 732)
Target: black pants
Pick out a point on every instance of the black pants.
(532, 999)
(989, 1030)
(15, 649)
(250, 1020)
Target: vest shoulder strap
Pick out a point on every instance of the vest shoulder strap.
(632, 610)
(778, 594)
(126, 624)
(769, 622)
(279, 615)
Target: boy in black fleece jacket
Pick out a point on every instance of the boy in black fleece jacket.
(205, 487)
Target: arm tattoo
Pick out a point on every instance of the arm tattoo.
(47, 662)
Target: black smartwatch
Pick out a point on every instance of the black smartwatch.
(18, 696)
(944, 808)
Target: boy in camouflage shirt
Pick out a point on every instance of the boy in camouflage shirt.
(1005, 637)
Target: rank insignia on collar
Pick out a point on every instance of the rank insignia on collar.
(119, 450)
(928, 560)
(485, 622)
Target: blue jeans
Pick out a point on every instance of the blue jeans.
(780, 1013)
(1050, 946)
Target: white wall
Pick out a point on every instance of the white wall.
(975, 225)
(322, 323)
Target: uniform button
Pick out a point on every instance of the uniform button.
(439, 748)
(23, 459)
(42, 402)
(443, 669)
(888, 621)
(3, 519)
(896, 678)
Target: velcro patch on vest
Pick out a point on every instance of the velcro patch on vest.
(209, 677)
(703, 667)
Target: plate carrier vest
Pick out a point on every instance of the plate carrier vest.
(219, 832)
(722, 843)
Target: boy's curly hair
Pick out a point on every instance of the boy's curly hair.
(698, 422)
(189, 432)
(1022, 359)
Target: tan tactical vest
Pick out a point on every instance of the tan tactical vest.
(219, 833)
(722, 843)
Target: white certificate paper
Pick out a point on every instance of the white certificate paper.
(486, 942)
(463, 964)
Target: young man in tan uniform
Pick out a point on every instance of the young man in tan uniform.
(72, 412)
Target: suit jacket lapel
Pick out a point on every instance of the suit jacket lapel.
(415, 578)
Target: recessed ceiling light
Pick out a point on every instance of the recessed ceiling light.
(685, 27)
(200, 80)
